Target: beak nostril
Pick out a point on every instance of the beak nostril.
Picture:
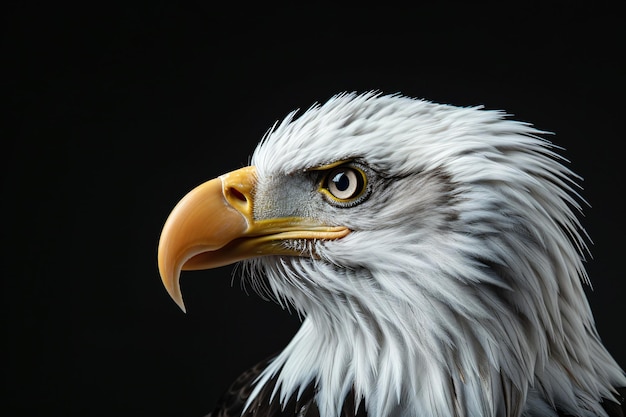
(238, 195)
(238, 190)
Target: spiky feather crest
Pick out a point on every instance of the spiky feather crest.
(459, 291)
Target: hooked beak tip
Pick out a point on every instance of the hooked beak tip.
(170, 276)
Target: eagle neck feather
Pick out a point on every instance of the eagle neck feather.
(394, 366)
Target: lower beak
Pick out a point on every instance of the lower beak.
(214, 225)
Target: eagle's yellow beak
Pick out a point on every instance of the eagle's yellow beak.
(214, 225)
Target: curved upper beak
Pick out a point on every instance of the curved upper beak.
(214, 225)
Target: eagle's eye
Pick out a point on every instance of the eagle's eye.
(345, 184)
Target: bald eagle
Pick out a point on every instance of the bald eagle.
(434, 253)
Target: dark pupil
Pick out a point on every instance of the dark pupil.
(341, 181)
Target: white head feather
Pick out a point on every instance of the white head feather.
(459, 291)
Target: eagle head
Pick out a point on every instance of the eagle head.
(433, 251)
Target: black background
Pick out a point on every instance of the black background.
(116, 110)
